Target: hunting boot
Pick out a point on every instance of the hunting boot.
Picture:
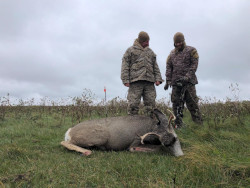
(196, 117)
(179, 123)
(132, 110)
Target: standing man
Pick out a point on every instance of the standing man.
(140, 72)
(182, 64)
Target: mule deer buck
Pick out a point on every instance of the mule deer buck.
(133, 133)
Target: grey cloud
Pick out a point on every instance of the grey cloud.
(58, 48)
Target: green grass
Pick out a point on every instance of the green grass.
(31, 156)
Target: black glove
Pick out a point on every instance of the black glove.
(183, 79)
(168, 84)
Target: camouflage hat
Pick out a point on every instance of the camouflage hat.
(179, 37)
(143, 36)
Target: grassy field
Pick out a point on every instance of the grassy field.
(217, 154)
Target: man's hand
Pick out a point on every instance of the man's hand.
(127, 84)
(157, 83)
(168, 84)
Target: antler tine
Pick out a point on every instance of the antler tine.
(170, 119)
(171, 116)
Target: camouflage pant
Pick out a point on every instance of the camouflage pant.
(140, 89)
(191, 100)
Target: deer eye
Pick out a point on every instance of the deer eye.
(169, 139)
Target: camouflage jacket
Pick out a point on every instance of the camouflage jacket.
(139, 63)
(182, 63)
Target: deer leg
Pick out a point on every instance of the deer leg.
(137, 146)
(143, 149)
(73, 147)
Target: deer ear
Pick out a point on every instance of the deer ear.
(159, 115)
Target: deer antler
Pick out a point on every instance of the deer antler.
(171, 116)
(144, 136)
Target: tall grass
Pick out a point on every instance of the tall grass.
(216, 154)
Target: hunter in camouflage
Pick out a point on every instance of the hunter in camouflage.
(181, 66)
(139, 72)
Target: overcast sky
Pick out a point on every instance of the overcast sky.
(58, 48)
